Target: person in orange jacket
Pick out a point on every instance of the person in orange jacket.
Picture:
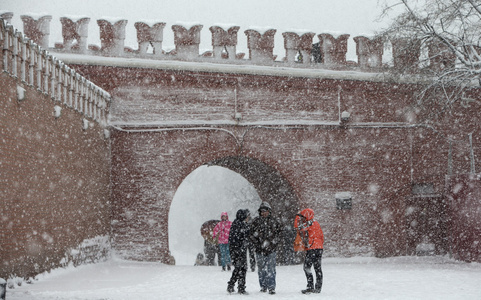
(313, 243)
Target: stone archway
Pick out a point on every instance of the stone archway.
(201, 197)
(273, 188)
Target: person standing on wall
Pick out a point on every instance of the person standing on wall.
(311, 239)
(264, 235)
(238, 245)
(222, 231)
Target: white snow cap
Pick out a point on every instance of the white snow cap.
(150, 22)
(37, 16)
(261, 30)
(224, 26)
(75, 18)
(187, 25)
(335, 34)
(367, 35)
(57, 111)
(343, 195)
(299, 32)
(112, 20)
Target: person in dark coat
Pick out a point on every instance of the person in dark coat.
(265, 236)
(238, 245)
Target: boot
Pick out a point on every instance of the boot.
(230, 288)
(308, 290)
(223, 268)
(228, 267)
(241, 289)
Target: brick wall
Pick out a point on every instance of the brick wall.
(464, 200)
(377, 156)
(54, 184)
(385, 149)
(57, 205)
(148, 168)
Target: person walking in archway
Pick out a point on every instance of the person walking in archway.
(238, 245)
(265, 235)
(211, 247)
(312, 238)
(222, 231)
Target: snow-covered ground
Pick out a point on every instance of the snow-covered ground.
(404, 278)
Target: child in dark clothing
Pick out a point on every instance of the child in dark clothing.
(238, 244)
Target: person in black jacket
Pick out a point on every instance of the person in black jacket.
(238, 245)
(265, 236)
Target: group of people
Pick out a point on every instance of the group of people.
(263, 236)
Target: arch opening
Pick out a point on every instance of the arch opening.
(202, 196)
(228, 184)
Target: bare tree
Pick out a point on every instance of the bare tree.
(450, 33)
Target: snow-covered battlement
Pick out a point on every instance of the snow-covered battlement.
(35, 66)
(302, 50)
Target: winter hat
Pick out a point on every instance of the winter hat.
(308, 214)
(247, 213)
(242, 214)
(264, 205)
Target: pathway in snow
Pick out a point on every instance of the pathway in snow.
(348, 278)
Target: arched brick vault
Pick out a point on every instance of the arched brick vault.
(147, 179)
(149, 167)
(269, 183)
(271, 187)
(290, 124)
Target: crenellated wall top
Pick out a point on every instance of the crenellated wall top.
(304, 49)
(34, 66)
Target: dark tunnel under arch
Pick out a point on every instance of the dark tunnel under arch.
(273, 188)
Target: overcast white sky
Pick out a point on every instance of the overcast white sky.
(319, 16)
